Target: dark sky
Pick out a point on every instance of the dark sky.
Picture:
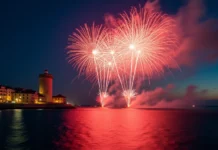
(34, 36)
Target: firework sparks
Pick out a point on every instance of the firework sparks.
(87, 54)
(141, 45)
(146, 41)
(129, 94)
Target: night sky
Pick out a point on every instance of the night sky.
(34, 36)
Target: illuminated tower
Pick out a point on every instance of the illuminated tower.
(45, 85)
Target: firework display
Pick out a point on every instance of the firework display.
(140, 45)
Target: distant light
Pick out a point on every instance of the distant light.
(69, 103)
(131, 46)
(139, 51)
(109, 63)
(112, 52)
(95, 51)
(193, 106)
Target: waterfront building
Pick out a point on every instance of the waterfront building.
(45, 86)
(9, 94)
(25, 96)
(59, 99)
(28, 96)
(6, 94)
(41, 99)
(2, 94)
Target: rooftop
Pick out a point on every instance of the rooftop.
(46, 75)
(7, 87)
(21, 90)
(59, 95)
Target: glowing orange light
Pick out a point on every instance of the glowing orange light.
(131, 46)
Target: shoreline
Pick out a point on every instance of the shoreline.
(36, 106)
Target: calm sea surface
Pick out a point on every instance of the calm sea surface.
(108, 129)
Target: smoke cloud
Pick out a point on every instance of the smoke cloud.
(160, 97)
(199, 35)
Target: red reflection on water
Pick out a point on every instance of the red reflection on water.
(103, 128)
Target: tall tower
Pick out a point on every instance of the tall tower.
(45, 85)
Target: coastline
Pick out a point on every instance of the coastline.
(36, 106)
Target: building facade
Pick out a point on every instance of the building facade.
(60, 99)
(25, 96)
(45, 86)
(2, 94)
(6, 94)
(41, 99)
(9, 94)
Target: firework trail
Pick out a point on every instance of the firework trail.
(145, 41)
(87, 54)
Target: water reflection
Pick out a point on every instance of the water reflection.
(119, 129)
(106, 129)
(17, 136)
